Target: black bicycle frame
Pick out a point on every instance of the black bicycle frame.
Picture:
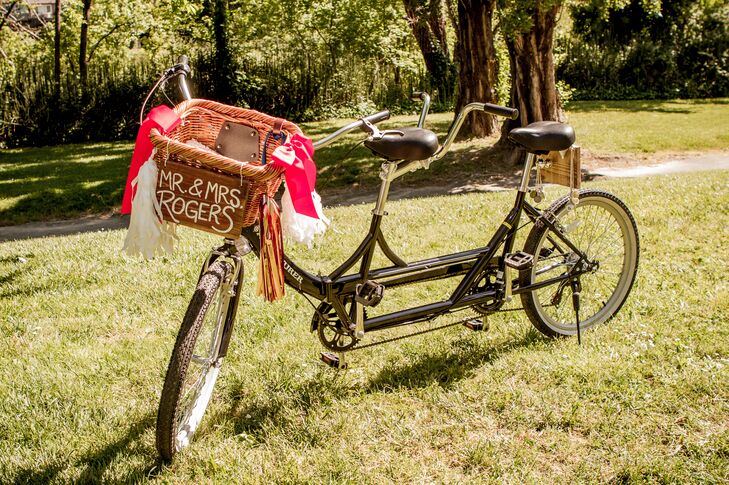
(338, 288)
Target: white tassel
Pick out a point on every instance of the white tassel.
(148, 234)
(298, 227)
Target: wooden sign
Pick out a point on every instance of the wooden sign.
(201, 199)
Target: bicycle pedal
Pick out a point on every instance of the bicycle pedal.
(332, 360)
(519, 260)
(370, 293)
(476, 324)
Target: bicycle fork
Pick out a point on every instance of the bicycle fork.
(234, 252)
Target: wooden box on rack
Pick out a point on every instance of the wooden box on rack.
(563, 168)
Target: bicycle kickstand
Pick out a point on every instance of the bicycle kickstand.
(576, 289)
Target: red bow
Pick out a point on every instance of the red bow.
(294, 157)
(165, 120)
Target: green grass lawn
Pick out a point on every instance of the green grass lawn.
(609, 127)
(72, 180)
(87, 333)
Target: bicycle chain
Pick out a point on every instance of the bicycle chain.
(357, 346)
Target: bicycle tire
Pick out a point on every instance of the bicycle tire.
(168, 441)
(534, 245)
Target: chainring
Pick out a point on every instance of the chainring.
(487, 282)
(332, 333)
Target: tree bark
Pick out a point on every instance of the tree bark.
(224, 67)
(533, 85)
(428, 23)
(57, 52)
(83, 45)
(478, 69)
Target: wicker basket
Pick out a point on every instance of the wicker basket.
(203, 120)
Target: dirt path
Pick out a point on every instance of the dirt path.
(596, 168)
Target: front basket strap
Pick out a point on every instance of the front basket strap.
(279, 136)
(278, 125)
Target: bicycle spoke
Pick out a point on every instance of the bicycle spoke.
(597, 228)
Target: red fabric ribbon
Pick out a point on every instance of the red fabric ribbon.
(294, 157)
(165, 120)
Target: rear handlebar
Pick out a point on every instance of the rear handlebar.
(504, 111)
(458, 122)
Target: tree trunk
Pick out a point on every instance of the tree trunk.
(224, 67)
(8, 13)
(83, 45)
(57, 52)
(428, 23)
(477, 64)
(533, 85)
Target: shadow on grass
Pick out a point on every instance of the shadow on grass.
(97, 461)
(284, 404)
(63, 181)
(447, 368)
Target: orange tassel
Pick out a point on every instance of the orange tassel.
(270, 270)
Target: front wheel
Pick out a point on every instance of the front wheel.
(195, 364)
(603, 228)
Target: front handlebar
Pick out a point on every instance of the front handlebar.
(181, 70)
(377, 117)
(360, 123)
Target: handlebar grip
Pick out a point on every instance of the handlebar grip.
(377, 117)
(504, 111)
(417, 95)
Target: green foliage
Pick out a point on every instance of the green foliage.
(313, 59)
(30, 114)
(635, 50)
(301, 59)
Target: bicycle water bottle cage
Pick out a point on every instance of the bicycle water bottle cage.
(410, 143)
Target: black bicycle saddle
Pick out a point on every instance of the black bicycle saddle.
(544, 136)
(413, 144)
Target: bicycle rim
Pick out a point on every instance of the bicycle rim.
(202, 371)
(601, 228)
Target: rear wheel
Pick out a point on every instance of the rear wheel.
(194, 365)
(604, 229)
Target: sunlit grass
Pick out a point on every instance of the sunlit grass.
(87, 333)
(609, 127)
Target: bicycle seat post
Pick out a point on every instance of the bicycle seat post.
(387, 174)
(528, 165)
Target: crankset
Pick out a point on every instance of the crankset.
(332, 333)
(487, 282)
